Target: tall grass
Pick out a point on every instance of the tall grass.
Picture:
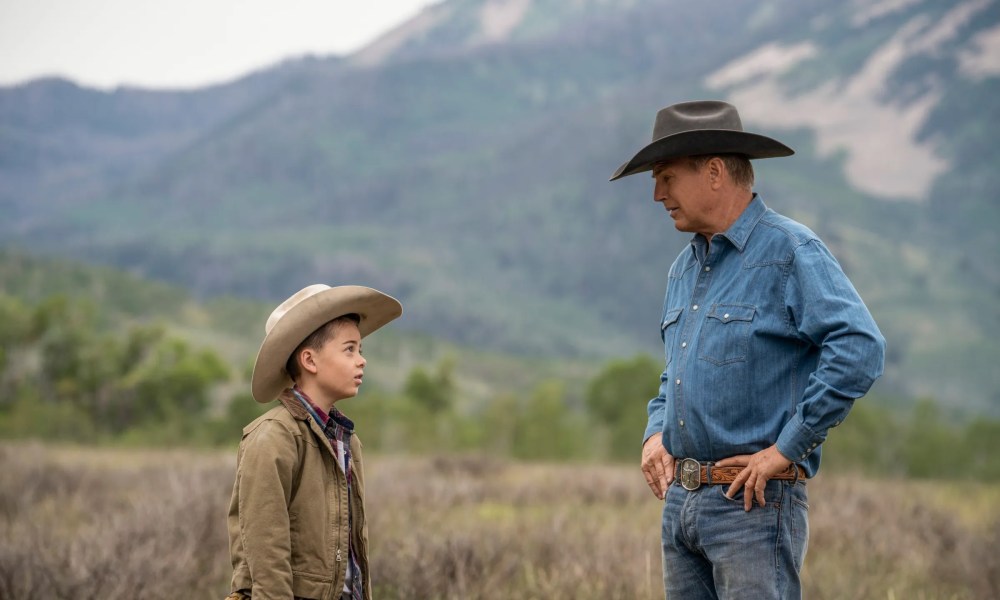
(102, 524)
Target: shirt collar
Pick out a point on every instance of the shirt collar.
(739, 232)
(322, 418)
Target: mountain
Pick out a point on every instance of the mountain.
(461, 163)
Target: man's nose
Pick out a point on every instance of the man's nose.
(658, 194)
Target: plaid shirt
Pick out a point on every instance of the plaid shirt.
(338, 429)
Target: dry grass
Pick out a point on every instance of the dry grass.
(99, 525)
(86, 524)
(475, 528)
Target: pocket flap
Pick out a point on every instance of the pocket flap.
(670, 317)
(732, 312)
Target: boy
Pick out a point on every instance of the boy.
(296, 521)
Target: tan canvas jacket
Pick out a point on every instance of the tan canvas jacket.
(288, 519)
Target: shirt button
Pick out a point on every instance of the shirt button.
(678, 382)
(707, 269)
(684, 344)
(725, 316)
(682, 422)
(695, 307)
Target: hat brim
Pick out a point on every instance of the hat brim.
(700, 142)
(269, 375)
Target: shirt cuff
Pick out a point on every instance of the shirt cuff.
(653, 428)
(797, 441)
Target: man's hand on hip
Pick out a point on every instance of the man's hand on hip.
(758, 469)
(657, 466)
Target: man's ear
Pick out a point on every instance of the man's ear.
(716, 172)
(307, 360)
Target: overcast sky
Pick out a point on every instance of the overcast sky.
(180, 43)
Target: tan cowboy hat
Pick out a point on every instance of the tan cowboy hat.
(296, 318)
(700, 127)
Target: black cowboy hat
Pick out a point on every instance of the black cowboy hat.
(696, 128)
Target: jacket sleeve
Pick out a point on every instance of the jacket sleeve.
(827, 312)
(265, 478)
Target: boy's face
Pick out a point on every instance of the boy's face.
(337, 368)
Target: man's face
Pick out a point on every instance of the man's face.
(686, 194)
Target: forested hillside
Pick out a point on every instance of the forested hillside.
(461, 164)
(92, 355)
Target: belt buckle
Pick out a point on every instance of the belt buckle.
(690, 475)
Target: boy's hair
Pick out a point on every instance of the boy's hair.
(316, 340)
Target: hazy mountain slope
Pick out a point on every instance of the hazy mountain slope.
(61, 144)
(462, 163)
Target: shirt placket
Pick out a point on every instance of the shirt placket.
(690, 329)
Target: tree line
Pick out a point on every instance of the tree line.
(64, 378)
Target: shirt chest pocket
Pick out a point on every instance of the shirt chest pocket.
(668, 331)
(725, 335)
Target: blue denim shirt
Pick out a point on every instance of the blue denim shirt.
(766, 342)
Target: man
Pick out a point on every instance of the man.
(767, 346)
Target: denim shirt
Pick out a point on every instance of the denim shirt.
(766, 342)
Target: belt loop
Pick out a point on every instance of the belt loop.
(796, 467)
(708, 471)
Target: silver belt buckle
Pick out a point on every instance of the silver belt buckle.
(690, 475)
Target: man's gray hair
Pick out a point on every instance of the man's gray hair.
(739, 167)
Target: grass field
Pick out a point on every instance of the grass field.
(112, 524)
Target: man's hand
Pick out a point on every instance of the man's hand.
(758, 469)
(657, 466)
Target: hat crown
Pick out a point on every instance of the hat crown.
(697, 128)
(300, 315)
(292, 302)
(694, 116)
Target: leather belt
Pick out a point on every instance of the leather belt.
(691, 474)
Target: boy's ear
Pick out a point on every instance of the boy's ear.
(307, 360)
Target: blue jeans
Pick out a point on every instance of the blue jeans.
(713, 549)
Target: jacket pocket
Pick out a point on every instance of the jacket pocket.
(310, 585)
(725, 336)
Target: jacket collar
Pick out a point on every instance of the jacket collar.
(288, 399)
(299, 412)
